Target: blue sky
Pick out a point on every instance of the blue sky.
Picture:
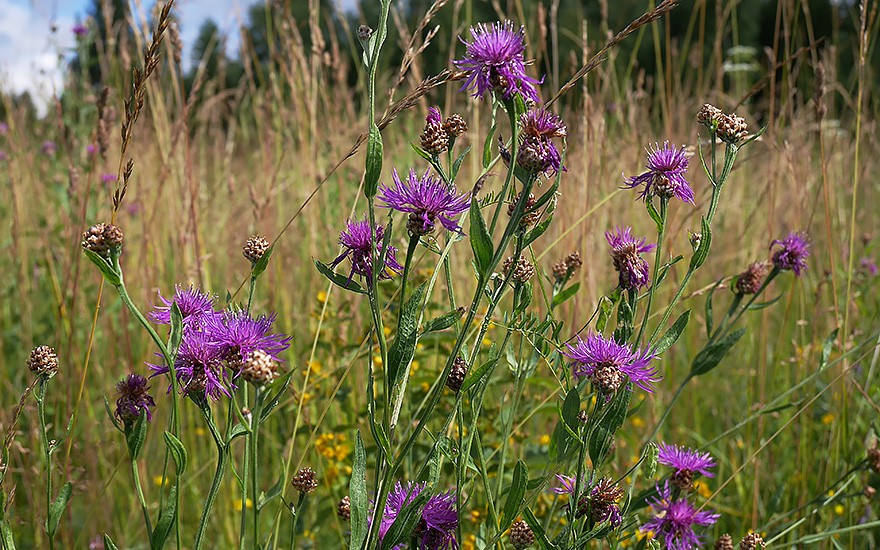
(30, 52)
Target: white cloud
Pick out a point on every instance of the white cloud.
(29, 52)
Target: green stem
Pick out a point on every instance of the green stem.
(661, 233)
(514, 151)
(47, 453)
(222, 460)
(296, 513)
(246, 468)
(136, 476)
(255, 465)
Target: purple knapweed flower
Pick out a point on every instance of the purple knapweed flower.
(674, 520)
(200, 368)
(610, 365)
(686, 463)
(91, 149)
(237, 335)
(436, 528)
(134, 398)
(195, 307)
(792, 254)
(434, 116)
(566, 485)
(665, 176)
(108, 177)
(48, 147)
(868, 267)
(80, 30)
(495, 62)
(427, 199)
(357, 243)
(537, 152)
(632, 269)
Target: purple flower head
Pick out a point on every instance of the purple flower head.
(434, 116)
(665, 176)
(200, 368)
(91, 149)
(686, 463)
(427, 199)
(108, 177)
(537, 151)
(3, 128)
(566, 485)
(195, 306)
(792, 254)
(494, 60)
(357, 243)
(674, 520)
(237, 335)
(868, 268)
(80, 30)
(610, 365)
(48, 147)
(632, 269)
(133, 398)
(436, 528)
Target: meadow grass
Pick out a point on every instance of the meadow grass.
(212, 168)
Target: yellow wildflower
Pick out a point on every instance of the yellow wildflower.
(322, 296)
(248, 503)
(828, 419)
(544, 440)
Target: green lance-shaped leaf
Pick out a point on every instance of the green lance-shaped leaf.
(404, 346)
(565, 294)
(665, 342)
(339, 280)
(515, 494)
(273, 493)
(374, 162)
(108, 543)
(456, 165)
(407, 521)
(567, 427)
(444, 321)
(357, 490)
(702, 251)
(136, 435)
(711, 355)
(108, 270)
(56, 510)
(612, 416)
(487, 147)
(166, 520)
(481, 241)
(176, 335)
(178, 452)
(261, 264)
(480, 372)
(538, 530)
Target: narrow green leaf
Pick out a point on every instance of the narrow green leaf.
(538, 530)
(606, 306)
(444, 321)
(665, 342)
(165, 522)
(402, 350)
(565, 294)
(339, 280)
(421, 152)
(456, 165)
(479, 373)
(536, 232)
(702, 251)
(827, 346)
(406, 522)
(710, 317)
(112, 415)
(487, 147)
(567, 427)
(6, 535)
(237, 431)
(106, 268)
(275, 390)
(611, 419)
(711, 355)
(108, 543)
(176, 335)
(261, 264)
(57, 508)
(515, 495)
(135, 435)
(273, 493)
(761, 305)
(178, 452)
(481, 241)
(357, 490)
(374, 161)
(652, 211)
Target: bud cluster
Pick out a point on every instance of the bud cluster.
(729, 128)
(102, 238)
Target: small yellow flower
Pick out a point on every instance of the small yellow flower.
(828, 419)
(544, 440)
(638, 422)
(839, 509)
(201, 432)
(377, 361)
(322, 296)
(157, 480)
(387, 330)
(702, 488)
(470, 543)
(487, 342)
(426, 386)
(413, 367)
(247, 504)
(475, 516)
(315, 368)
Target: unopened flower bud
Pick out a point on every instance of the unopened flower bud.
(43, 361)
(255, 248)
(305, 481)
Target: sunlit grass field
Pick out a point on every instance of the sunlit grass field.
(212, 168)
